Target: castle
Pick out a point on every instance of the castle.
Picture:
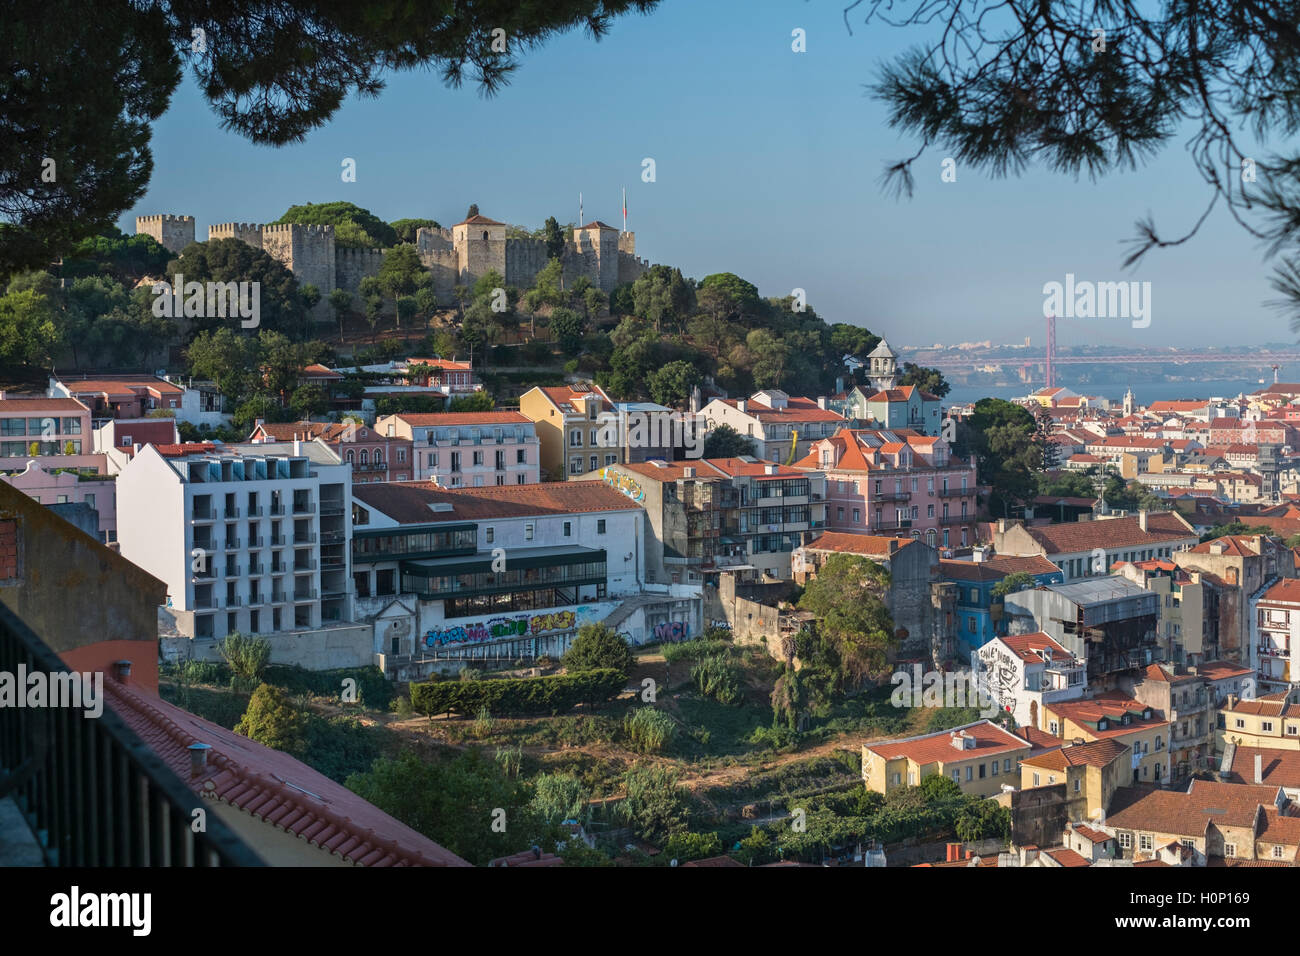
(458, 256)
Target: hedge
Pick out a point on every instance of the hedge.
(530, 695)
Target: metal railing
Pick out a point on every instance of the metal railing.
(91, 791)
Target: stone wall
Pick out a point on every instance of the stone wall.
(524, 259)
(353, 265)
(319, 650)
(478, 257)
(248, 232)
(1038, 815)
(174, 233)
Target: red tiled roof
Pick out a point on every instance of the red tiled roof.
(1220, 670)
(18, 406)
(274, 787)
(1265, 707)
(1096, 753)
(564, 396)
(479, 221)
(1075, 536)
(1287, 590)
(1066, 857)
(407, 502)
(996, 568)
(124, 386)
(848, 543)
(797, 409)
(1026, 646)
(528, 858)
(990, 740)
(715, 861)
(594, 224)
(1278, 768)
(1090, 834)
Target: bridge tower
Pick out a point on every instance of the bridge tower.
(1051, 350)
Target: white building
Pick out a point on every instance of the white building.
(249, 538)
(1275, 637)
(1026, 671)
(469, 449)
(776, 421)
(501, 572)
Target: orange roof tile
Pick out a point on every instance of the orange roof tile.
(1096, 753)
(989, 738)
(435, 419)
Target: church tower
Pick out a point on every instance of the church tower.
(883, 367)
(1128, 403)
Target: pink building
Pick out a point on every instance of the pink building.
(54, 431)
(468, 449)
(124, 396)
(897, 483)
(373, 456)
(67, 487)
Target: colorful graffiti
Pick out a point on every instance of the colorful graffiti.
(501, 627)
(623, 483)
(672, 631)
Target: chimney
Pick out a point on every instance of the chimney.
(977, 555)
(122, 671)
(297, 446)
(839, 384)
(688, 472)
(741, 405)
(1002, 525)
(1232, 701)
(1259, 768)
(198, 758)
(769, 469)
(821, 402)
(954, 852)
(1142, 519)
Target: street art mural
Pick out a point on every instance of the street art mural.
(502, 627)
(623, 483)
(672, 631)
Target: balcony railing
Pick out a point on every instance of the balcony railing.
(232, 514)
(892, 496)
(255, 512)
(331, 508)
(304, 507)
(954, 492)
(277, 541)
(955, 519)
(91, 791)
(891, 525)
(302, 567)
(257, 542)
(300, 539)
(309, 595)
(277, 509)
(232, 544)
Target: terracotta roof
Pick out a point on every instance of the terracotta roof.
(1187, 814)
(901, 394)
(1154, 672)
(1027, 646)
(1264, 707)
(594, 224)
(1075, 536)
(186, 448)
(274, 787)
(1287, 590)
(1111, 708)
(479, 221)
(319, 370)
(876, 545)
(1066, 857)
(996, 568)
(1221, 670)
(565, 395)
(528, 858)
(124, 386)
(990, 740)
(18, 406)
(715, 861)
(798, 409)
(1091, 834)
(1039, 740)
(1194, 405)
(408, 502)
(435, 419)
(1096, 753)
(755, 468)
(1279, 768)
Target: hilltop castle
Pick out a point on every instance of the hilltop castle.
(458, 256)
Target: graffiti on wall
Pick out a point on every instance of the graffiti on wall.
(501, 627)
(623, 483)
(717, 625)
(672, 631)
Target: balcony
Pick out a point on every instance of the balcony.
(276, 510)
(257, 542)
(278, 568)
(233, 600)
(301, 540)
(331, 508)
(278, 597)
(304, 507)
(277, 541)
(954, 492)
(203, 515)
(307, 595)
(332, 537)
(370, 466)
(232, 571)
(255, 512)
(302, 567)
(256, 600)
(892, 496)
(955, 519)
(232, 544)
(891, 525)
(232, 514)
(92, 793)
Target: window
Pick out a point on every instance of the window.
(970, 625)
(1006, 765)
(488, 533)
(995, 763)
(528, 531)
(1240, 723)
(520, 458)
(1146, 841)
(1277, 853)
(981, 771)
(970, 773)
(1266, 726)
(1229, 849)
(1037, 780)
(956, 776)
(575, 466)
(1052, 728)
(568, 529)
(575, 438)
(600, 526)
(857, 516)
(401, 456)
(595, 462)
(478, 458)
(1076, 784)
(1126, 841)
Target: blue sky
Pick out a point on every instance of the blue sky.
(767, 165)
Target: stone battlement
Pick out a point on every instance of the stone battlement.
(235, 227)
(309, 230)
(162, 218)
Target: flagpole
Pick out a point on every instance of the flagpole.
(579, 208)
(625, 209)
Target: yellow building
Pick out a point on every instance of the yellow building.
(1269, 722)
(1091, 772)
(573, 428)
(980, 758)
(1129, 722)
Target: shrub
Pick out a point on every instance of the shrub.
(649, 730)
(246, 656)
(531, 695)
(597, 647)
(693, 650)
(778, 738)
(692, 846)
(716, 677)
(273, 720)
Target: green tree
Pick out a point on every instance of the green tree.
(692, 846)
(309, 400)
(1008, 449)
(370, 232)
(1016, 581)
(231, 260)
(655, 802)
(723, 441)
(663, 296)
(555, 238)
(598, 646)
(568, 327)
(341, 303)
(560, 796)
(406, 230)
(724, 295)
(926, 379)
(480, 401)
(225, 357)
(28, 329)
(847, 595)
(400, 274)
(672, 384)
(273, 720)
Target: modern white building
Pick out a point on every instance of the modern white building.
(501, 572)
(1275, 637)
(249, 538)
(469, 449)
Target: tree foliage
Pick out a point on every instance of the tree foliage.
(847, 595)
(273, 720)
(598, 647)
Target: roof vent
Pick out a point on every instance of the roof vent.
(122, 671)
(688, 472)
(198, 757)
(441, 506)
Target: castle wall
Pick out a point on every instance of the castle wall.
(630, 268)
(524, 259)
(248, 232)
(353, 265)
(173, 233)
(428, 239)
(607, 261)
(308, 252)
(444, 265)
(478, 257)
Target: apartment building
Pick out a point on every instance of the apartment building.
(1218, 823)
(1186, 700)
(1275, 637)
(1091, 773)
(373, 455)
(124, 433)
(1113, 716)
(1086, 548)
(1244, 566)
(505, 572)
(576, 429)
(1271, 723)
(468, 449)
(979, 757)
(120, 396)
(903, 484)
(979, 613)
(54, 431)
(1026, 672)
(720, 513)
(783, 427)
(249, 538)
